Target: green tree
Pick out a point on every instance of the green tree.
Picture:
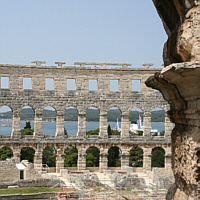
(71, 157)
(136, 157)
(93, 132)
(27, 153)
(65, 131)
(109, 130)
(49, 156)
(5, 152)
(158, 157)
(27, 129)
(114, 157)
(92, 157)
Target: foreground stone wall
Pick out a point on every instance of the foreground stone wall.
(16, 97)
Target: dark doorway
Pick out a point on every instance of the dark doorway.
(21, 174)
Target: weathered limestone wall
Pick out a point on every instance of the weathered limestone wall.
(81, 98)
(180, 86)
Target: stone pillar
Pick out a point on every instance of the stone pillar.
(125, 125)
(16, 154)
(81, 163)
(38, 124)
(124, 161)
(147, 124)
(168, 159)
(103, 161)
(60, 124)
(81, 125)
(38, 157)
(60, 157)
(146, 159)
(103, 125)
(168, 126)
(16, 125)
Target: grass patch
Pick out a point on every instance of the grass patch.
(29, 190)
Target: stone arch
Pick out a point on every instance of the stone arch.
(136, 157)
(5, 152)
(114, 156)
(49, 155)
(71, 156)
(114, 119)
(71, 120)
(5, 120)
(136, 121)
(27, 153)
(92, 156)
(27, 115)
(49, 120)
(158, 157)
(92, 115)
(157, 115)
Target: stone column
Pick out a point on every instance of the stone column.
(124, 161)
(103, 125)
(146, 159)
(168, 159)
(81, 163)
(16, 125)
(82, 124)
(16, 154)
(38, 124)
(125, 125)
(38, 157)
(60, 124)
(147, 124)
(103, 161)
(168, 126)
(60, 157)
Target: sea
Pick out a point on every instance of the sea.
(49, 128)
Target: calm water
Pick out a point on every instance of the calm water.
(49, 128)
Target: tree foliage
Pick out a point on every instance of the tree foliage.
(27, 129)
(114, 157)
(93, 132)
(5, 152)
(158, 157)
(27, 153)
(109, 130)
(136, 157)
(92, 157)
(49, 156)
(71, 157)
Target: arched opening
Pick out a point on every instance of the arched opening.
(5, 152)
(158, 157)
(27, 153)
(92, 121)
(92, 157)
(27, 121)
(114, 121)
(157, 122)
(71, 121)
(49, 156)
(114, 157)
(49, 121)
(5, 120)
(136, 122)
(136, 157)
(71, 157)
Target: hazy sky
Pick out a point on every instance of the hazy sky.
(80, 30)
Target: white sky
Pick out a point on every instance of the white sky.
(77, 30)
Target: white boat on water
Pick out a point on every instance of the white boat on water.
(137, 127)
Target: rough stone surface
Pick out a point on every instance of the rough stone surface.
(181, 22)
(82, 98)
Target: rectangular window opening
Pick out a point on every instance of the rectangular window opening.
(114, 85)
(92, 84)
(71, 85)
(27, 83)
(49, 84)
(136, 85)
(5, 82)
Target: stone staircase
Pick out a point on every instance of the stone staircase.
(104, 179)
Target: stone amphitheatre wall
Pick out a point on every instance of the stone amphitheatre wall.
(82, 98)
